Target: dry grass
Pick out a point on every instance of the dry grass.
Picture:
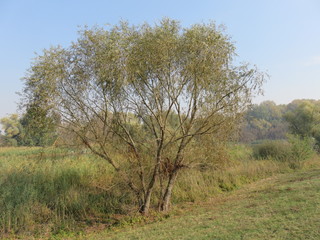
(56, 193)
(281, 207)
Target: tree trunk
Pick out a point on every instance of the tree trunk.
(168, 192)
(146, 206)
(162, 191)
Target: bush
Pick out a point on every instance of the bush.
(7, 142)
(302, 148)
(294, 151)
(277, 150)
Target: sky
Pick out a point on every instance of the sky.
(280, 37)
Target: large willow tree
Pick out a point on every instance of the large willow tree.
(141, 97)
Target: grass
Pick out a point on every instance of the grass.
(45, 191)
(281, 207)
(55, 193)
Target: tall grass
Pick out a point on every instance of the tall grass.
(44, 191)
(54, 189)
(240, 169)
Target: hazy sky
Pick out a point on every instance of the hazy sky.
(281, 37)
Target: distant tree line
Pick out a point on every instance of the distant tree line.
(264, 121)
(269, 121)
(34, 128)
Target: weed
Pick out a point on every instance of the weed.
(60, 191)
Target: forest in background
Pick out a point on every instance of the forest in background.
(269, 121)
(264, 121)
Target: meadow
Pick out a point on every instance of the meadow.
(57, 193)
(284, 206)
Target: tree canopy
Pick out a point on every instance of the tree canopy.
(264, 121)
(12, 129)
(303, 117)
(142, 97)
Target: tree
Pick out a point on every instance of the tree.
(39, 126)
(38, 99)
(303, 117)
(140, 97)
(34, 128)
(12, 130)
(264, 121)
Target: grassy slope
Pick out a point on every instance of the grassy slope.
(282, 207)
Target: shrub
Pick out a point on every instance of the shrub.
(278, 150)
(302, 148)
(294, 151)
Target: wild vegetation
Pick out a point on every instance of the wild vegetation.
(133, 119)
(53, 191)
(273, 122)
(282, 207)
(141, 98)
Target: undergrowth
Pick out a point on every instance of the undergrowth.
(54, 191)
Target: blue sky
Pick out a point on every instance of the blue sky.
(281, 37)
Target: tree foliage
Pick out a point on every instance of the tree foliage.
(34, 128)
(39, 101)
(39, 127)
(141, 97)
(303, 117)
(12, 130)
(264, 121)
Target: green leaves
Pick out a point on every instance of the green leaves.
(143, 93)
(11, 125)
(147, 71)
(303, 117)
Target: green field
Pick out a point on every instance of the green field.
(281, 207)
(61, 193)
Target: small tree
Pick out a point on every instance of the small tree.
(40, 129)
(140, 97)
(38, 100)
